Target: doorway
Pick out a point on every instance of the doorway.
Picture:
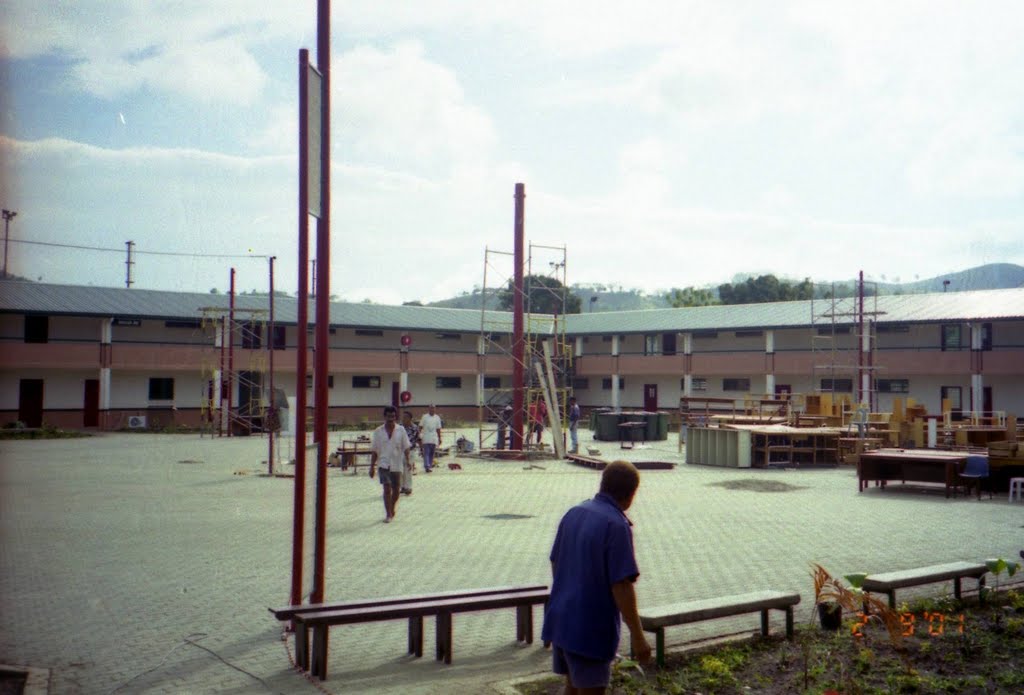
(91, 404)
(651, 398)
(30, 402)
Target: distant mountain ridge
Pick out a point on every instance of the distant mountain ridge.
(613, 297)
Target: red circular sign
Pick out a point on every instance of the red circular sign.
(406, 396)
(406, 340)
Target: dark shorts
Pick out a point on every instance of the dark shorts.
(389, 478)
(537, 427)
(582, 672)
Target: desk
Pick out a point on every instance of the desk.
(350, 451)
(631, 428)
(919, 465)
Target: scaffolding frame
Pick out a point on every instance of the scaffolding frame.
(218, 413)
(843, 345)
(496, 338)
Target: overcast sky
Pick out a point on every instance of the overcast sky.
(662, 143)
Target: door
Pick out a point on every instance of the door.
(954, 395)
(91, 404)
(30, 402)
(395, 395)
(986, 403)
(651, 397)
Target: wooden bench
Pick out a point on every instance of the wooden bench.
(888, 582)
(658, 618)
(320, 617)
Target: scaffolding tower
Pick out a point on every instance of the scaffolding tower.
(843, 344)
(495, 391)
(234, 354)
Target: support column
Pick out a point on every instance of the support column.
(106, 356)
(579, 346)
(688, 364)
(615, 376)
(769, 349)
(977, 379)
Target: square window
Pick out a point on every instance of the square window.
(606, 383)
(365, 382)
(736, 385)
(161, 389)
(448, 382)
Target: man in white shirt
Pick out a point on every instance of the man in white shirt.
(391, 450)
(430, 436)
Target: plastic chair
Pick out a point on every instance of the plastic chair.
(976, 470)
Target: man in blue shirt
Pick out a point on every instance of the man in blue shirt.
(594, 567)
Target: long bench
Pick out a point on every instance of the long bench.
(888, 582)
(320, 617)
(656, 619)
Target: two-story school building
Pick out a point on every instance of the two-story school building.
(111, 358)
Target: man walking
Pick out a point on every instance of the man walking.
(574, 421)
(504, 423)
(430, 436)
(390, 448)
(593, 567)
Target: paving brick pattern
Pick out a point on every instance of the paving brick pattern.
(119, 562)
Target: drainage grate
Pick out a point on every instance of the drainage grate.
(505, 517)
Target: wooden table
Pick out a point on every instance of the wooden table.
(919, 465)
(630, 428)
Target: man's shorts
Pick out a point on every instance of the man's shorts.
(392, 479)
(582, 672)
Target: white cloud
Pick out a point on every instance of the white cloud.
(404, 110)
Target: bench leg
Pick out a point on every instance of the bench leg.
(524, 624)
(789, 622)
(892, 598)
(443, 638)
(956, 588)
(764, 622)
(981, 590)
(659, 645)
(416, 635)
(319, 668)
(302, 646)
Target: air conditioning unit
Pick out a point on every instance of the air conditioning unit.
(137, 422)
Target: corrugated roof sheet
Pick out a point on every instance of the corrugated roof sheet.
(22, 297)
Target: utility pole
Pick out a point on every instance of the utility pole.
(8, 216)
(128, 265)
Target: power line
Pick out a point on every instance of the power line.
(136, 251)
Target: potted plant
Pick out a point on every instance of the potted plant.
(831, 597)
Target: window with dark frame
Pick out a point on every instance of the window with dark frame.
(606, 383)
(492, 382)
(448, 382)
(366, 333)
(951, 336)
(986, 336)
(702, 335)
(697, 383)
(580, 384)
(252, 335)
(309, 381)
(837, 385)
(366, 382)
(894, 385)
(280, 338)
(749, 334)
(448, 336)
(37, 328)
(736, 385)
(161, 388)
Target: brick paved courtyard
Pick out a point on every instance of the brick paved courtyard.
(126, 557)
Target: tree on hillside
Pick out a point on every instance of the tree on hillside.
(544, 295)
(765, 288)
(689, 296)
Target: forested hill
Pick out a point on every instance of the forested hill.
(615, 297)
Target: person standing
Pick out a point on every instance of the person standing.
(430, 436)
(504, 423)
(574, 422)
(413, 432)
(593, 567)
(538, 414)
(390, 448)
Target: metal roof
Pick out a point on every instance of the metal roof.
(71, 300)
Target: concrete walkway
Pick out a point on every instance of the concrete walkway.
(143, 563)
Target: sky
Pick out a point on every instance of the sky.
(662, 143)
